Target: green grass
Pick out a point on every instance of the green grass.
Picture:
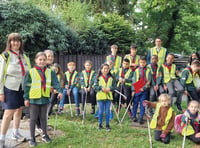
(78, 135)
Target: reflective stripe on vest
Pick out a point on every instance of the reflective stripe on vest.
(86, 77)
(7, 59)
(167, 76)
(117, 62)
(190, 129)
(157, 72)
(67, 73)
(36, 92)
(102, 95)
(153, 123)
(130, 59)
(126, 76)
(137, 72)
(190, 77)
(161, 55)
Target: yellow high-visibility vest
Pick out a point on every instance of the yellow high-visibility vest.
(161, 55)
(36, 92)
(7, 59)
(102, 95)
(153, 123)
(190, 77)
(128, 56)
(137, 72)
(86, 77)
(126, 76)
(67, 73)
(167, 76)
(117, 63)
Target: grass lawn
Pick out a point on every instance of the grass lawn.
(78, 135)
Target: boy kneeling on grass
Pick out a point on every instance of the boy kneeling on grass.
(163, 118)
(192, 117)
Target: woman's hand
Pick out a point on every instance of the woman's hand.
(2, 98)
(26, 103)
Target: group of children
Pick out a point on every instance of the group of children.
(134, 79)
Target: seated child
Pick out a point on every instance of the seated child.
(163, 118)
(193, 128)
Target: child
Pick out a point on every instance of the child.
(192, 117)
(124, 79)
(133, 58)
(61, 80)
(187, 79)
(114, 58)
(142, 77)
(156, 83)
(163, 118)
(38, 82)
(170, 82)
(104, 85)
(87, 81)
(193, 56)
(71, 84)
(50, 57)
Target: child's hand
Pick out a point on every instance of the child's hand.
(197, 135)
(156, 87)
(68, 92)
(145, 103)
(85, 89)
(185, 92)
(165, 87)
(26, 103)
(54, 91)
(133, 93)
(66, 86)
(60, 95)
(2, 98)
(89, 89)
(162, 136)
(141, 89)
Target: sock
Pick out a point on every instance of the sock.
(2, 137)
(15, 131)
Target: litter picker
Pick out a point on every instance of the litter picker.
(185, 132)
(84, 106)
(70, 104)
(147, 115)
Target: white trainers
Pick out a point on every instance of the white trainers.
(18, 137)
(38, 130)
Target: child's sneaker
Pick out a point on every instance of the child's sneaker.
(111, 115)
(141, 121)
(77, 112)
(134, 119)
(96, 115)
(46, 139)
(18, 137)
(100, 127)
(60, 110)
(32, 143)
(108, 128)
(93, 110)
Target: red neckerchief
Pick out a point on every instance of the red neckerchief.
(190, 69)
(169, 67)
(123, 72)
(197, 73)
(142, 75)
(133, 59)
(105, 78)
(113, 58)
(70, 78)
(20, 61)
(43, 86)
(154, 71)
(88, 75)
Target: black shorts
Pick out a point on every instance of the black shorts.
(13, 99)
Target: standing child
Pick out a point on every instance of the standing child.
(114, 58)
(170, 82)
(71, 84)
(133, 58)
(54, 94)
(104, 85)
(87, 82)
(156, 83)
(141, 78)
(38, 82)
(187, 79)
(193, 119)
(124, 79)
(163, 118)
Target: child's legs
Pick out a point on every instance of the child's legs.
(34, 113)
(53, 102)
(116, 96)
(135, 105)
(127, 93)
(194, 95)
(83, 98)
(194, 139)
(152, 97)
(142, 98)
(43, 118)
(180, 91)
(167, 138)
(101, 110)
(62, 101)
(171, 90)
(157, 134)
(92, 97)
(75, 93)
(161, 89)
(107, 111)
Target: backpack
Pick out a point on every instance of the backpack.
(177, 123)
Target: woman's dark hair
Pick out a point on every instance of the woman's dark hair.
(100, 73)
(190, 59)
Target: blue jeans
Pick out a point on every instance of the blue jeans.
(139, 97)
(101, 104)
(75, 94)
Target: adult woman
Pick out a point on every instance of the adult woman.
(13, 66)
